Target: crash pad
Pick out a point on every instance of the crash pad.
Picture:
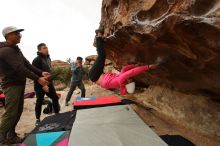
(112, 126)
(60, 138)
(88, 102)
(60, 122)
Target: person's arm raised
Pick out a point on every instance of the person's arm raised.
(128, 67)
(74, 67)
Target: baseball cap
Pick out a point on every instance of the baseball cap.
(10, 29)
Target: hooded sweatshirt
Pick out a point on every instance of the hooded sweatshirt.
(14, 67)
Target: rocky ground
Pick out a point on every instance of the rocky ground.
(159, 123)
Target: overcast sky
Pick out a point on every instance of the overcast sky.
(66, 26)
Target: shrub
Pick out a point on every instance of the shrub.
(63, 75)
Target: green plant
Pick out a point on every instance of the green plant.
(63, 75)
(69, 60)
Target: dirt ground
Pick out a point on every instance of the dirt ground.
(158, 123)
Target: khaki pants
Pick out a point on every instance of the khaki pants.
(14, 102)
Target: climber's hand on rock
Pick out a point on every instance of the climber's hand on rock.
(153, 66)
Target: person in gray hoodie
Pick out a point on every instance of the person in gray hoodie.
(76, 81)
(14, 69)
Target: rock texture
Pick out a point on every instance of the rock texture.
(185, 33)
(91, 59)
(197, 116)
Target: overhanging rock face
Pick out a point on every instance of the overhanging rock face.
(186, 33)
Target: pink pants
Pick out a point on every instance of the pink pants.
(118, 80)
(130, 71)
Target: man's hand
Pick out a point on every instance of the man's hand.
(46, 74)
(46, 89)
(153, 66)
(43, 81)
(78, 64)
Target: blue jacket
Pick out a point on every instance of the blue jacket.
(77, 73)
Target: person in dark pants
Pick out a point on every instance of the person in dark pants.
(76, 80)
(43, 62)
(14, 69)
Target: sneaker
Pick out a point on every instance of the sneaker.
(37, 122)
(100, 30)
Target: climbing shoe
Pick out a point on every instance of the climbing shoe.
(100, 30)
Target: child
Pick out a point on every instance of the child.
(113, 80)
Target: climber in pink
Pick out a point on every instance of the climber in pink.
(113, 80)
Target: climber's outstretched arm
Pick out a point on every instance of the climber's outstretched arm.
(135, 71)
(128, 67)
